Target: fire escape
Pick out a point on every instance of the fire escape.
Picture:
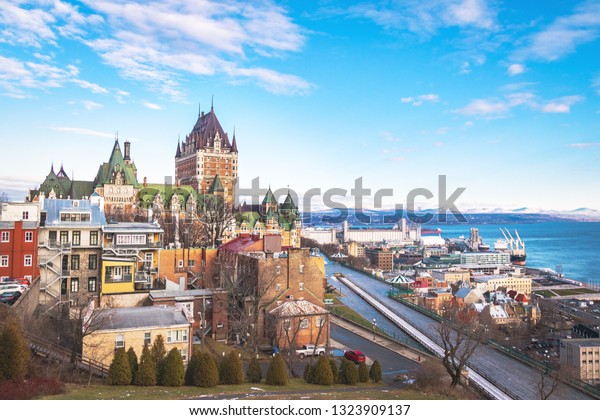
(55, 272)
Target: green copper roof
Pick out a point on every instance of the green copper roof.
(116, 164)
(269, 198)
(216, 185)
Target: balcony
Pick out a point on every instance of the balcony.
(125, 278)
(57, 245)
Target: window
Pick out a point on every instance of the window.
(64, 237)
(301, 268)
(320, 321)
(74, 262)
(74, 285)
(183, 353)
(28, 236)
(180, 263)
(286, 324)
(278, 270)
(5, 236)
(93, 262)
(191, 263)
(4, 261)
(94, 238)
(277, 287)
(147, 338)
(25, 215)
(119, 341)
(76, 237)
(27, 261)
(304, 323)
(148, 260)
(301, 286)
(174, 336)
(92, 282)
(131, 239)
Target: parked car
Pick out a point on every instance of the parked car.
(12, 287)
(10, 297)
(310, 350)
(355, 356)
(10, 280)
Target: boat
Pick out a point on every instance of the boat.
(515, 246)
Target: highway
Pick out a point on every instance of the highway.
(508, 377)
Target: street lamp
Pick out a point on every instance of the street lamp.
(374, 322)
(547, 361)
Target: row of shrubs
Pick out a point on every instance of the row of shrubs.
(157, 367)
(326, 372)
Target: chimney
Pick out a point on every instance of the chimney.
(145, 182)
(127, 156)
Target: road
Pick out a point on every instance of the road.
(392, 364)
(520, 379)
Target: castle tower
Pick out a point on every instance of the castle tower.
(206, 153)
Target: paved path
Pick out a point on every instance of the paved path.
(505, 371)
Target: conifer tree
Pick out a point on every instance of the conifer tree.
(230, 369)
(159, 352)
(191, 368)
(119, 372)
(334, 370)
(174, 373)
(14, 353)
(133, 362)
(322, 374)
(348, 372)
(146, 374)
(375, 372)
(363, 372)
(206, 374)
(277, 373)
(254, 372)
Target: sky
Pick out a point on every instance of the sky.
(500, 97)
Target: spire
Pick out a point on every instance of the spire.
(211, 102)
(199, 111)
(216, 186)
(234, 143)
(52, 169)
(178, 153)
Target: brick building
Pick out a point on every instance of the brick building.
(18, 240)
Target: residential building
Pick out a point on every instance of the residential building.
(381, 258)
(188, 268)
(297, 322)
(205, 153)
(583, 356)
(115, 328)
(491, 283)
(130, 257)
(70, 250)
(452, 275)
(19, 240)
(485, 258)
(207, 307)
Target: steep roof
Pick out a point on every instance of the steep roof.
(294, 308)
(288, 203)
(269, 198)
(115, 164)
(142, 317)
(216, 185)
(207, 126)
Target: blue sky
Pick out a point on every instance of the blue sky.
(502, 97)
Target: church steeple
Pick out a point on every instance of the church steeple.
(234, 148)
(178, 153)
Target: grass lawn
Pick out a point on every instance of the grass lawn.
(572, 292)
(545, 293)
(296, 389)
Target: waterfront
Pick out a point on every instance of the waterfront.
(574, 245)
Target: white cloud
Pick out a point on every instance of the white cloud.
(152, 106)
(515, 69)
(565, 34)
(91, 86)
(498, 108)
(421, 99)
(91, 105)
(83, 132)
(583, 145)
(561, 105)
(465, 68)
(470, 12)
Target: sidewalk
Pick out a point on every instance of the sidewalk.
(383, 341)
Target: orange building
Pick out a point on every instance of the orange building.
(190, 268)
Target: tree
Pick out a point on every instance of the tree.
(254, 372)
(191, 368)
(146, 374)
(230, 369)
(215, 215)
(159, 352)
(322, 374)
(206, 373)
(14, 352)
(4, 197)
(363, 372)
(375, 372)
(460, 334)
(334, 370)
(277, 373)
(174, 373)
(119, 372)
(133, 362)
(348, 372)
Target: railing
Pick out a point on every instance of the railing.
(63, 246)
(125, 278)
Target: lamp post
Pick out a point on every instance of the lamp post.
(547, 361)
(374, 322)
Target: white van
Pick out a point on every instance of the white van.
(12, 288)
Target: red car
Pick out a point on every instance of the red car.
(355, 355)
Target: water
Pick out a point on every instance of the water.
(574, 245)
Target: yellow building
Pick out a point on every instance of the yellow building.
(114, 328)
(130, 257)
(583, 356)
(492, 283)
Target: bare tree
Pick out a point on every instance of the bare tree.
(4, 197)
(250, 284)
(215, 215)
(460, 335)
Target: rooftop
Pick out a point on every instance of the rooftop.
(143, 317)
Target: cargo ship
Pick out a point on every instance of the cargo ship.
(515, 246)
